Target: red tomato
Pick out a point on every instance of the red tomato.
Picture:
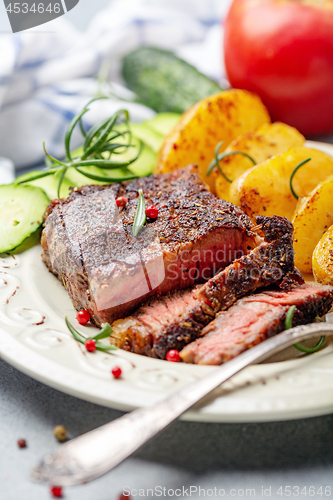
(283, 51)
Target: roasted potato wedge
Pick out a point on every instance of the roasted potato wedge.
(312, 217)
(322, 258)
(269, 140)
(265, 188)
(220, 117)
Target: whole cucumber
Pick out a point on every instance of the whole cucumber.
(164, 82)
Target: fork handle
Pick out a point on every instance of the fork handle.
(96, 452)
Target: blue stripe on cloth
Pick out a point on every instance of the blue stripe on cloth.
(33, 64)
(59, 91)
(4, 80)
(210, 22)
(18, 44)
(65, 113)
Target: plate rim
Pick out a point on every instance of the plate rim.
(48, 371)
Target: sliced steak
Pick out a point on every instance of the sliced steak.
(89, 244)
(178, 319)
(253, 319)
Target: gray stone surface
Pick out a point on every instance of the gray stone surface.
(222, 456)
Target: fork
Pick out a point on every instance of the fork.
(89, 456)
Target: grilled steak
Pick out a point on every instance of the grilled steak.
(89, 244)
(253, 319)
(178, 319)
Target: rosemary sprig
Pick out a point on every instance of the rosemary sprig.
(127, 176)
(289, 318)
(105, 332)
(300, 347)
(98, 147)
(140, 216)
(310, 350)
(292, 176)
(218, 157)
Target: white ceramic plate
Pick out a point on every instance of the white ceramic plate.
(34, 339)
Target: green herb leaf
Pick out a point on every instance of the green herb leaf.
(108, 164)
(310, 350)
(288, 325)
(83, 132)
(61, 178)
(289, 317)
(97, 141)
(93, 131)
(218, 157)
(125, 177)
(140, 216)
(104, 134)
(34, 177)
(105, 332)
(53, 160)
(77, 335)
(69, 132)
(113, 146)
(104, 348)
(215, 162)
(292, 176)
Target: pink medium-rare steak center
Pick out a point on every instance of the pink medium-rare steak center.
(177, 319)
(252, 319)
(89, 244)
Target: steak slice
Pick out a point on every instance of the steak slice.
(88, 243)
(253, 319)
(178, 319)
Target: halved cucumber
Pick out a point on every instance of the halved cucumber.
(141, 167)
(147, 135)
(49, 184)
(21, 213)
(163, 123)
(144, 165)
(75, 179)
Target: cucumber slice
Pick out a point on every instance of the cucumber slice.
(164, 82)
(163, 123)
(49, 184)
(143, 166)
(21, 214)
(75, 179)
(148, 135)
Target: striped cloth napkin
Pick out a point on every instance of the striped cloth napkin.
(47, 77)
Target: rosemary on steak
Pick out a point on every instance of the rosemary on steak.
(300, 347)
(100, 142)
(219, 157)
(140, 215)
(92, 343)
(292, 176)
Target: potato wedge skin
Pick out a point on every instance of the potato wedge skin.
(220, 117)
(268, 140)
(322, 259)
(312, 217)
(264, 189)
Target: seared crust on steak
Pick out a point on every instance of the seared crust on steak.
(178, 319)
(107, 271)
(253, 319)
